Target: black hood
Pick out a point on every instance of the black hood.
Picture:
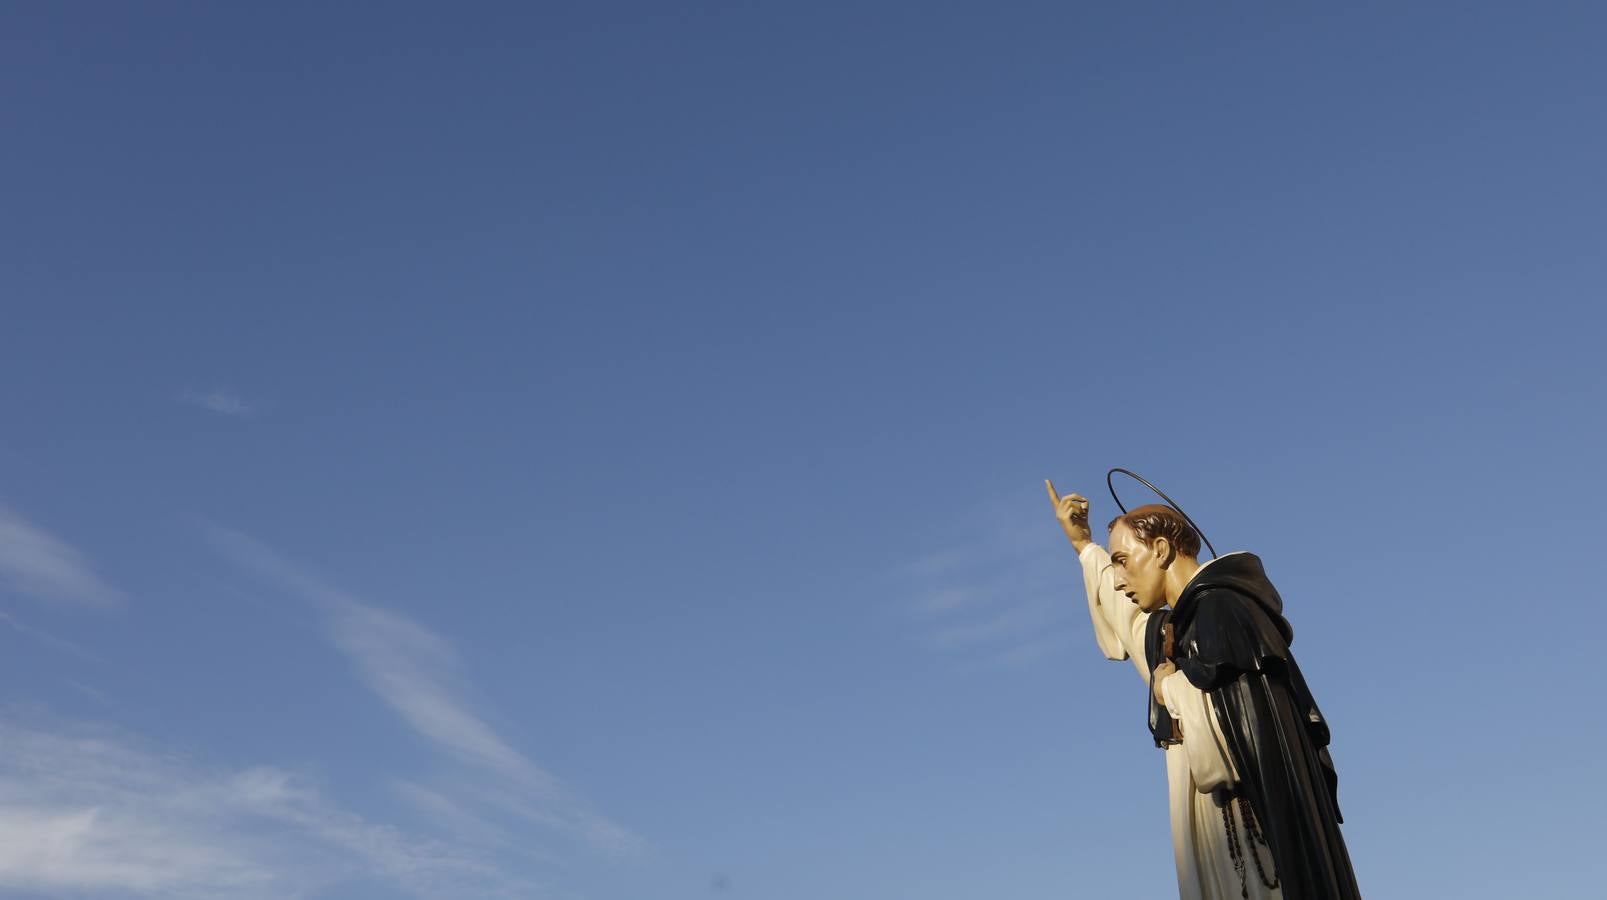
(1241, 573)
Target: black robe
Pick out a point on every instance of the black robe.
(1233, 643)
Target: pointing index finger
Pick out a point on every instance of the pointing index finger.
(1053, 496)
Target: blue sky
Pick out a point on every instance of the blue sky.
(596, 451)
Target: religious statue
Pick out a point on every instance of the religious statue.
(1253, 793)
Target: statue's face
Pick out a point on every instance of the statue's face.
(1138, 570)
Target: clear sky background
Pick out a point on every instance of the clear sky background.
(596, 451)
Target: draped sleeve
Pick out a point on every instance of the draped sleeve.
(1118, 622)
(1208, 758)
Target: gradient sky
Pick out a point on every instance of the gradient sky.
(596, 451)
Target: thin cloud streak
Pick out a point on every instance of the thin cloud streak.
(40, 565)
(1020, 621)
(1032, 651)
(413, 670)
(996, 596)
(222, 402)
(408, 667)
(45, 638)
(449, 815)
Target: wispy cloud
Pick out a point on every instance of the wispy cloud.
(449, 814)
(218, 400)
(87, 811)
(90, 691)
(1031, 651)
(1015, 619)
(45, 638)
(999, 592)
(40, 565)
(414, 671)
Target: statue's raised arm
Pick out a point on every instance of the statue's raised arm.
(1118, 624)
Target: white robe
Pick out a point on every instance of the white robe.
(1194, 767)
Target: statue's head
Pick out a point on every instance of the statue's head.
(1145, 543)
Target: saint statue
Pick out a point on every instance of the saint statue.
(1253, 793)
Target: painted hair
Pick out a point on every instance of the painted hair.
(1158, 521)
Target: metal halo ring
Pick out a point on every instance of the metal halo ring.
(1109, 483)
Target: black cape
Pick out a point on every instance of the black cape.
(1232, 642)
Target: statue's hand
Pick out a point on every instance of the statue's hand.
(1158, 676)
(1072, 512)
